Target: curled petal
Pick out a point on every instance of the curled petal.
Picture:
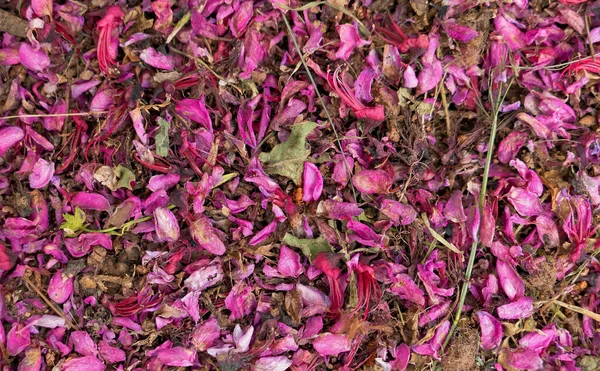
(313, 183)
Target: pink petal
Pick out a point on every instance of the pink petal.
(372, 181)
(312, 183)
(165, 225)
(331, 344)
(92, 201)
(491, 330)
(349, 39)
(204, 235)
(156, 59)
(60, 287)
(263, 234)
(9, 136)
(511, 283)
(289, 262)
(280, 363)
(89, 363)
(43, 171)
(34, 60)
(522, 308)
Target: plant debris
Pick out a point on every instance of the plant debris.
(287, 185)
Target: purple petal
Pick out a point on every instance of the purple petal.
(205, 277)
(458, 32)
(178, 357)
(241, 18)
(205, 334)
(510, 146)
(111, 354)
(399, 213)
(523, 359)
(158, 182)
(454, 210)
(362, 86)
(514, 38)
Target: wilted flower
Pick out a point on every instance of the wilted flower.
(108, 42)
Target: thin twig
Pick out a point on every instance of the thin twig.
(312, 80)
(445, 105)
(52, 115)
(484, 183)
(48, 302)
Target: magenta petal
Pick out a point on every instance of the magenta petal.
(511, 145)
(401, 357)
(514, 38)
(156, 59)
(34, 60)
(17, 339)
(279, 363)
(523, 359)
(42, 7)
(331, 344)
(264, 233)
(454, 210)
(372, 181)
(41, 175)
(289, 262)
(491, 330)
(205, 236)
(177, 356)
(111, 354)
(510, 281)
(349, 40)
(83, 343)
(312, 183)
(92, 201)
(159, 182)
(60, 287)
(9, 136)
(399, 213)
(522, 308)
(88, 363)
(205, 277)
(165, 225)
(205, 334)
(525, 202)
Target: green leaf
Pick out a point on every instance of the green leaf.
(288, 158)
(73, 222)
(310, 247)
(162, 138)
(126, 177)
(225, 179)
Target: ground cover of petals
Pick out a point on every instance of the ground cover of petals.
(291, 185)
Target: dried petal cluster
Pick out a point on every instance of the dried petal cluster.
(286, 185)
